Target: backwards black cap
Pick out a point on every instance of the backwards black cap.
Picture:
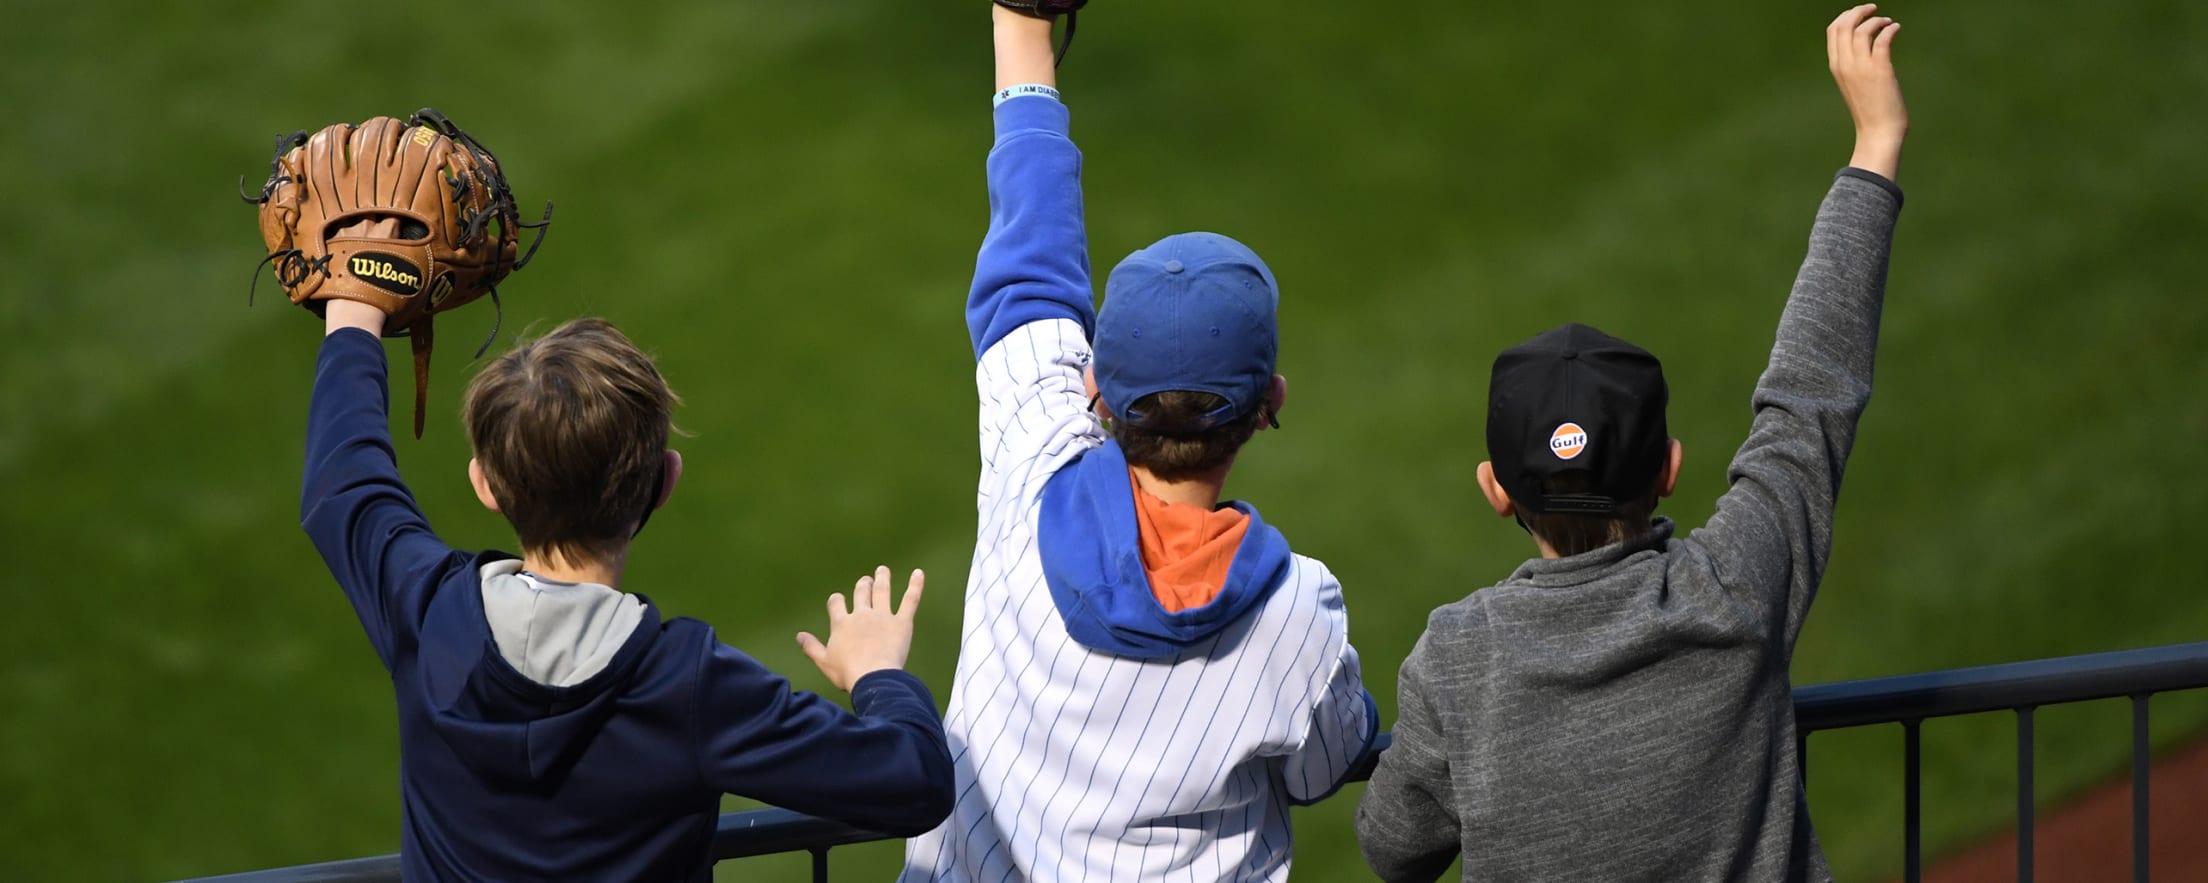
(1576, 399)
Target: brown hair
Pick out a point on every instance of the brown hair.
(1178, 457)
(571, 430)
(1571, 535)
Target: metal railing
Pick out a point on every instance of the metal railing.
(1908, 700)
(2021, 687)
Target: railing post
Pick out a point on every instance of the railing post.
(1912, 824)
(2139, 781)
(2024, 794)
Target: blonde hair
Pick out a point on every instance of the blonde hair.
(571, 431)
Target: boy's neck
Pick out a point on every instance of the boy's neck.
(606, 572)
(1202, 490)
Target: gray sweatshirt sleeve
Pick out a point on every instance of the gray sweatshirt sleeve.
(1772, 533)
(1407, 821)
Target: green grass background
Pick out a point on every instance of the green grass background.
(782, 201)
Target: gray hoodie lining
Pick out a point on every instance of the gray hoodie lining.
(557, 634)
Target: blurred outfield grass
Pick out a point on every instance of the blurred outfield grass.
(782, 201)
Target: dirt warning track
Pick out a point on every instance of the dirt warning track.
(2088, 839)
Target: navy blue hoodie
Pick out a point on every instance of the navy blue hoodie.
(617, 776)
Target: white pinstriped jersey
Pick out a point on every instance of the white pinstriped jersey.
(1075, 764)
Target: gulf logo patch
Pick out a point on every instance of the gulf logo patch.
(1567, 441)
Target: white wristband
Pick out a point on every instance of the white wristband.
(1008, 94)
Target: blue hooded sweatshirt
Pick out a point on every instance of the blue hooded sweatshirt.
(614, 769)
(1092, 559)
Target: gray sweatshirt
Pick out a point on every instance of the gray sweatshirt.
(1624, 714)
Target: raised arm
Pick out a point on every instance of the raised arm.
(352, 504)
(1859, 49)
(1034, 262)
(885, 768)
(1773, 528)
(1031, 310)
(1024, 56)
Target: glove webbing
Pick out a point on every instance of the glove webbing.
(276, 176)
(501, 195)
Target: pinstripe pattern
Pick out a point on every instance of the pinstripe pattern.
(1079, 765)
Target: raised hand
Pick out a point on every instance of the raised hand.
(866, 635)
(1859, 46)
(351, 313)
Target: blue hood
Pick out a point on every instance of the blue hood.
(506, 728)
(1092, 559)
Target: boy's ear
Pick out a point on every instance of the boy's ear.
(674, 474)
(1496, 496)
(1277, 394)
(482, 484)
(1088, 388)
(1669, 481)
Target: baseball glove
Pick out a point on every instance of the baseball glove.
(1049, 9)
(413, 218)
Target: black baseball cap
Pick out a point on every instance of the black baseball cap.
(1576, 399)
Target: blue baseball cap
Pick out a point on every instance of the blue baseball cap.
(1193, 312)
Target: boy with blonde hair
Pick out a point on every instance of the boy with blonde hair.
(553, 726)
(1619, 708)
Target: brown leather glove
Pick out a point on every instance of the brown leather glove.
(413, 218)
